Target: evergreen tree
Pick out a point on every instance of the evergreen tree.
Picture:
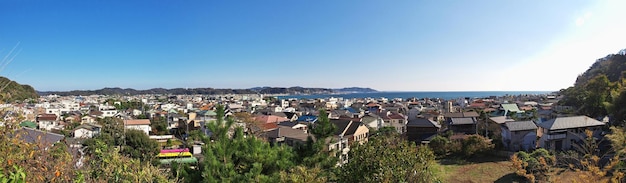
(238, 158)
(315, 153)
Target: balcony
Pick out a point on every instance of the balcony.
(556, 136)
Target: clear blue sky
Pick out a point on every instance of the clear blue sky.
(473, 45)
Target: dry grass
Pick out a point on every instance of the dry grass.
(488, 169)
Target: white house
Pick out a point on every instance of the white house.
(47, 122)
(87, 130)
(138, 124)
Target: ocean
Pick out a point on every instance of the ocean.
(405, 95)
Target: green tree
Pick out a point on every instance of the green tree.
(475, 145)
(389, 158)
(314, 153)
(138, 145)
(105, 164)
(538, 165)
(597, 96)
(303, 174)
(439, 145)
(238, 158)
(323, 128)
(159, 125)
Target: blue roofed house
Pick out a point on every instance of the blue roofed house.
(561, 132)
(307, 119)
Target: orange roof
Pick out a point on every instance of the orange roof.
(270, 119)
(137, 122)
(270, 126)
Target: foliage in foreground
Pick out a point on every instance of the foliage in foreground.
(541, 165)
(40, 162)
(389, 158)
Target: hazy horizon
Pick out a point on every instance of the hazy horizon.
(388, 46)
(309, 87)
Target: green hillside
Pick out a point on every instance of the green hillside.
(11, 91)
(601, 90)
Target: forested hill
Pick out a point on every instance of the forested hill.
(601, 90)
(613, 66)
(208, 91)
(12, 91)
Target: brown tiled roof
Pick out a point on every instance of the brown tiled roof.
(137, 122)
(46, 117)
(396, 116)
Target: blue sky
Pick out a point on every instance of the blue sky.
(411, 45)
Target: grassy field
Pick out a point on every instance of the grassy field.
(488, 169)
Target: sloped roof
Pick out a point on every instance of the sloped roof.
(47, 117)
(510, 107)
(88, 126)
(283, 131)
(423, 123)
(462, 121)
(570, 122)
(520, 125)
(396, 116)
(137, 122)
(340, 125)
(501, 119)
(28, 124)
(270, 118)
(461, 114)
(352, 128)
(30, 135)
(307, 118)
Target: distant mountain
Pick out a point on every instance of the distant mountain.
(209, 91)
(355, 90)
(12, 91)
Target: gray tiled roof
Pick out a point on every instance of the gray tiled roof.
(422, 122)
(520, 125)
(462, 121)
(461, 114)
(30, 135)
(501, 119)
(570, 122)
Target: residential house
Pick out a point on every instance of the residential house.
(341, 148)
(372, 121)
(87, 119)
(87, 130)
(396, 120)
(355, 132)
(519, 135)
(286, 135)
(138, 124)
(421, 130)
(295, 125)
(308, 119)
(462, 122)
(562, 132)
(48, 122)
